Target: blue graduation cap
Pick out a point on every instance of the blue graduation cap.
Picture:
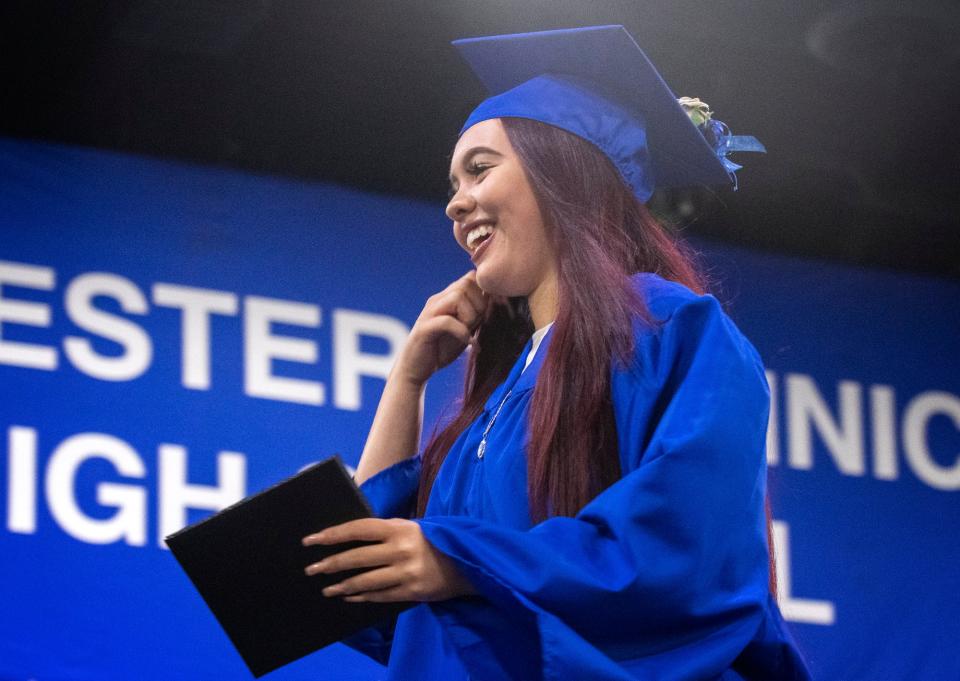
(597, 83)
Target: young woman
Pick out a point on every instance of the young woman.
(596, 508)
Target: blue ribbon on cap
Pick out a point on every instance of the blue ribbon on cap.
(718, 134)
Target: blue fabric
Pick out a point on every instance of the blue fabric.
(608, 81)
(565, 103)
(661, 576)
(392, 493)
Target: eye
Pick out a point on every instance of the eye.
(473, 169)
(477, 169)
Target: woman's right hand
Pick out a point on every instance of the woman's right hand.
(443, 330)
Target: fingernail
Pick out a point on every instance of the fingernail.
(334, 590)
(313, 538)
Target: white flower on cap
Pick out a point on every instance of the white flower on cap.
(698, 111)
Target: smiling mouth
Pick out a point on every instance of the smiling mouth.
(481, 247)
(477, 236)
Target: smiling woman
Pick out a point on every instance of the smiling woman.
(596, 508)
(496, 219)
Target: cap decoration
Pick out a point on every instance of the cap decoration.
(697, 111)
(718, 135)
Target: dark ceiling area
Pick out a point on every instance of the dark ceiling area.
(856, 101)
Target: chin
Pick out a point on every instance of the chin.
(488, 281)
(494, 284)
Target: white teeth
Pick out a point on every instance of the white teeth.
(476, 234)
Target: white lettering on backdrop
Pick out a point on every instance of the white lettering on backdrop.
(842, 432)
(262, 344)
(127, 499)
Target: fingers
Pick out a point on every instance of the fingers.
(365, 529)
(403, 567)
(394, 594)
(372, 580)
(474, 293)
(462, 299)
(458, 305)
(361, 557)
(450, 326)
(468, 314)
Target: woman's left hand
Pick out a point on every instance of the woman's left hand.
(403, 566)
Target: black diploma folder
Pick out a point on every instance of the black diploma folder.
(247, 563)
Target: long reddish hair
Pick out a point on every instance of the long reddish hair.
(602, 234)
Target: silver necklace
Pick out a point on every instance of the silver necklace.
(482, 447)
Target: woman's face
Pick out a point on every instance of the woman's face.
(496, 218)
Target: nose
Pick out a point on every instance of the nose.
(460, 205)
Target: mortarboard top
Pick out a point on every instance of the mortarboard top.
(597, 83)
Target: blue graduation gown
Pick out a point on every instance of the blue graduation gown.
(661, 576)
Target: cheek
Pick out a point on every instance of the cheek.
(534, 241)
(528, 213)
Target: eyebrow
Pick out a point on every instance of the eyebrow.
(470, 154)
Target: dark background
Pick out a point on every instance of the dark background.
(856, 101)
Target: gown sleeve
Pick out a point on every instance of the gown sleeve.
(664, 574)
(392, 493)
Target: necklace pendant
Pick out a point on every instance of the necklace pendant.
(483, 439)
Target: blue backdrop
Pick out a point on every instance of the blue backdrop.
(174, 337)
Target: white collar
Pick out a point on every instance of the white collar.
(536, 338)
